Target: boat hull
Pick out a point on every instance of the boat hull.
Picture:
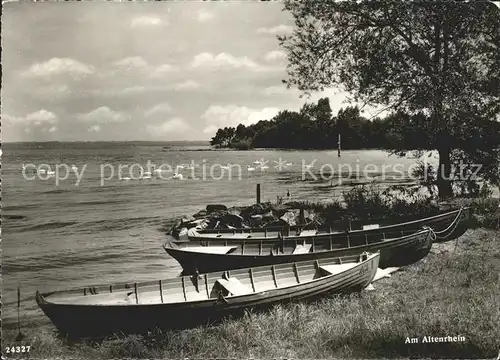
(395, 252)
(98, 321)
(439, 223)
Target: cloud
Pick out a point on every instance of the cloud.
(187, 85)
(94, 128)
(204, 16)
(59, 66)
(280, 29)
(133, 90)
(132, 63)
(217, 116)
(53, 129)
(146, 21)
(280, 90)
(162, 70)
(175, 126)
(158, 109)
(35, 118)
(222, 60)
(140, 65)
(103, 115)
(275, 55)
(52, 91)
(42, 116)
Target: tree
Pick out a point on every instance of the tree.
(218, 139)
(437, 60)
(241, 131)
(321, 116)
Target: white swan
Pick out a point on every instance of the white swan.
(263, 167)
(74, 168)
(249, 168)
(225, 167)
(30, 169)
(257, 162)
(288, 164)
(42, 171)
(51, 172)
(178, 176)
(123, 178)
(145, 175)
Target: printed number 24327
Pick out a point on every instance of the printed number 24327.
(17, 349)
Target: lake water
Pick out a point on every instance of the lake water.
(58, 236)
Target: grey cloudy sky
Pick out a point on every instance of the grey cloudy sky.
(142, 71)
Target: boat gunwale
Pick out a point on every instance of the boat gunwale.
(201, 236)
(390, 241)
(277, 228)
(41, 297)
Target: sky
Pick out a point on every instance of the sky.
(159, 71)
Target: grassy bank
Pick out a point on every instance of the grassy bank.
(454, 291)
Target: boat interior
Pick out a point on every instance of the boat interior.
(217, 285)
(309, 230)
(283, 246)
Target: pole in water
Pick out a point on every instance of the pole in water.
(258, 193)
(338, 144)
(20, 335)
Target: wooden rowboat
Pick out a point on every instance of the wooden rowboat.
(217, 255)
(439, 223)
(191, 300)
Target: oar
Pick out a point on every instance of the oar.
(20, 335)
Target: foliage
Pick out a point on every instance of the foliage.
(312, 127)
(223, 137)
(435, 64)
(241, 144)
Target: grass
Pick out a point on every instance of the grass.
(455, 290)
(486, 212)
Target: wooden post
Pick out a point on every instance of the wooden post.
(338, 144)
(184, 288)
(251, 279)
(18, 309)
(20, 335)
(206, 286)
(258, 193)
(274, 276)
(296, 269)
(136, 295)
(161, 291)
